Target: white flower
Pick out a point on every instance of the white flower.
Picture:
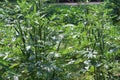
(28, 47)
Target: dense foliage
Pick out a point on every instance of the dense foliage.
(114, 5)
(57, 42)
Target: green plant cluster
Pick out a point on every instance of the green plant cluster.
(57, 42)
(115, 10)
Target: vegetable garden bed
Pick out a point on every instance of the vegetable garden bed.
(58, 42)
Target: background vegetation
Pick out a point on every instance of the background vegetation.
(40, 41)
(115, 13)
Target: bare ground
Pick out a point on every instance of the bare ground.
(74, 4)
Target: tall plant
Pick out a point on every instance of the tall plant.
(32, 31)
(32, 42)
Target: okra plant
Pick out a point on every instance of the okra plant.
(41, 41)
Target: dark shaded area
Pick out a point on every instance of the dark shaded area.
(9, 0)
(78, 0)
(67, 0)
(96, 0)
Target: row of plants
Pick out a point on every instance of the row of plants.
(52, 42)
(89, 20)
